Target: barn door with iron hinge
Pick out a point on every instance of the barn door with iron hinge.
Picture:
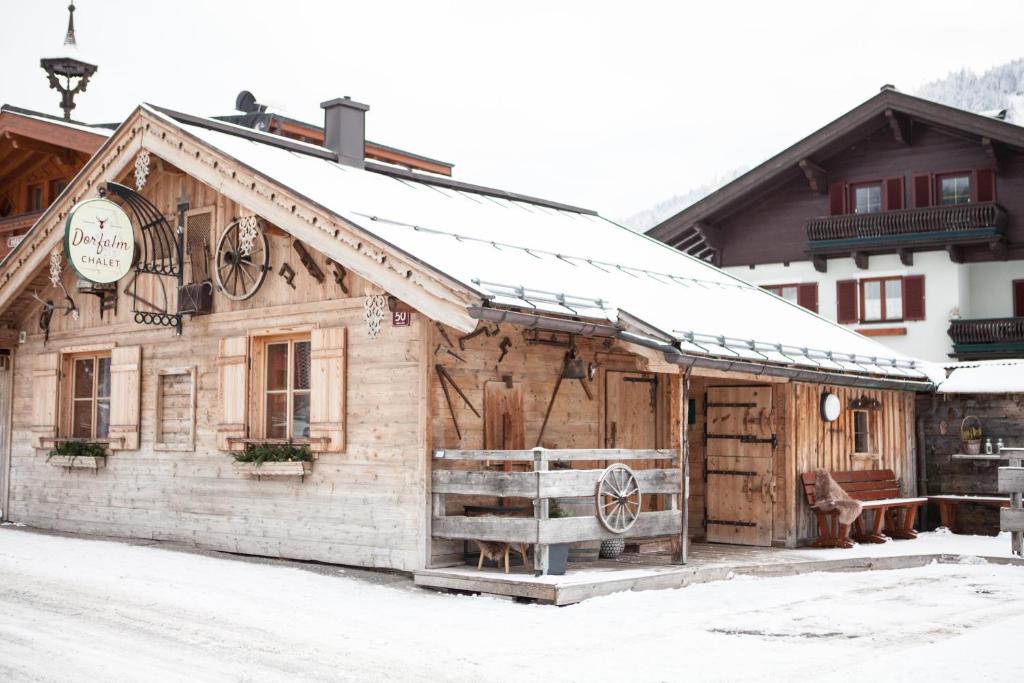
(739, 445)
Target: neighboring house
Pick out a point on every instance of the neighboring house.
(902, 219)
(406, 327)
(39, 154)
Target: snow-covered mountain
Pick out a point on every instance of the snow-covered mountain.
(999, 88)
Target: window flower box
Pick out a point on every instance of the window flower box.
(274, 459)
(78, 455)
(274, 469)
(85, 462)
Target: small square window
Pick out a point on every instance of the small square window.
(955, 189)
(866, 198)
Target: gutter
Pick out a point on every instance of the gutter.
(690, 361)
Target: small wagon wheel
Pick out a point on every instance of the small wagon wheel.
(242, 264)
(618, 498)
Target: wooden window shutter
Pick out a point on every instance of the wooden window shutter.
(846, 302)
(913, 297)
(327, 384)
(893, 196)
(232, 387)
(125, 397)
(45, 381)
(836, 199)
(922, 191)
(1018, 298)
(984, 185)
(807, 296)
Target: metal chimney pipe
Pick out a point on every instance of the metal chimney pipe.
(345, 130)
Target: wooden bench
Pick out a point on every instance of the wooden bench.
(948, 505)
(879, 491)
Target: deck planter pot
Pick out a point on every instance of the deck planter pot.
(85, 462)
(298, 468)
(558, 557)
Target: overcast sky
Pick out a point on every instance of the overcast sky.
(609, 105)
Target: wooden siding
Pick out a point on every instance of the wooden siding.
(770, 228)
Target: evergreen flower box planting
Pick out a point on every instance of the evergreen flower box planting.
(274, 460)
(78, 455)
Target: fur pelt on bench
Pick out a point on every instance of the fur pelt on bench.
(829, 496)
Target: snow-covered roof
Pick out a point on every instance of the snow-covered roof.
(981, 377)
(516, 253)
(96, 130)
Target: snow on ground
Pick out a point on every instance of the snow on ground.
(76, 609)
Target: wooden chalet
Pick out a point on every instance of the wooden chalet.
(902, 218)
(39, 154)
(457, 358)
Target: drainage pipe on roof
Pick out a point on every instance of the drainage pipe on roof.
(674, 355)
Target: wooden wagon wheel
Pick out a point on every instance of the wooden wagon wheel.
(242, 259)
(618, 498)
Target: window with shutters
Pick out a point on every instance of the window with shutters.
(953, 188)
(88, 405)
(882, 299)
(866, 197)
(803, 294)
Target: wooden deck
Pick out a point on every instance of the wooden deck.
(653, 571)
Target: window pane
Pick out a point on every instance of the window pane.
(81, 420)
(956, 189)
(277, 366)
(867, 199)
(102, 419)
(789, 294)
(83, 378)
(301, 370)
(300, 420)
(103, 380)
(861, 438)
(872, 300)
(277, 416)
(893, 299)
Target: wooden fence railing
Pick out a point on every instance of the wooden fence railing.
(1011, 480)
(987, 331)
(542, 484)
(933, 219)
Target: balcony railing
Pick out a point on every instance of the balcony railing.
(461, 473)
(13, 228)
(935, 224)
(987, 337)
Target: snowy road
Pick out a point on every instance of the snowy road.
(85, 610)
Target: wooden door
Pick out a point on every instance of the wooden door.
(740, 442)
(630, 410)
(6, 386)
(503, 416)
(631, 419)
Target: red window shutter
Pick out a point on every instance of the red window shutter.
(1018, 298)
(984, 185)
(836, 195)
(922, 191)
(846, 301)
(913, 297)
(893, 196)
(807, 296)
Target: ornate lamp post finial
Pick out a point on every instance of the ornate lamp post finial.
(68, 67)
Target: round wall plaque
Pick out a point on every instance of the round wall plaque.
(99, 241)
(830, 407)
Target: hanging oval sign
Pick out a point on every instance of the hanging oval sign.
(99, 241)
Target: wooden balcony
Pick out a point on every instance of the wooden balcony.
(467, 474)
(987, 338)
(13, 228)
(889, 231)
